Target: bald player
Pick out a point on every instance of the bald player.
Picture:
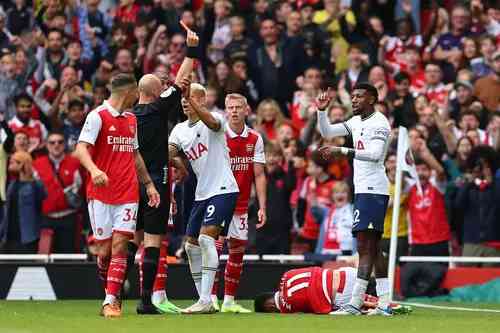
(157, 110)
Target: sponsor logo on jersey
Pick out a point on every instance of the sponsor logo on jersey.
(121, 143)
(196, 152)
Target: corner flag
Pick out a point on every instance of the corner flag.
(405, 157)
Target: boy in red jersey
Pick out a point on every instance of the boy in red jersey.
(246, 152)
(108, 149)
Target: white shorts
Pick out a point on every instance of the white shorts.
(106, 219)
(239, 227)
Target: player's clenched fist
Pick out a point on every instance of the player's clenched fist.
(192, 39)
(153, 195)
(327, 153)
(99, 178)
(324, 98)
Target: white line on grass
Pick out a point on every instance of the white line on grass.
(449, 307)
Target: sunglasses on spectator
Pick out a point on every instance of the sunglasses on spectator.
(59, 142)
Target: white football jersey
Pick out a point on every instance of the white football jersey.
(208, 154)
(369, 177)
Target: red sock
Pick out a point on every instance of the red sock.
(102, 269)
(161, 272)
(219, 245)
(116, 273)
(234, 266)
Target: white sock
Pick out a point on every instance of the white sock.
(383, 292)
(109, 299)
(357, 293)
(228, 299)
(209, 264)
(159, 296)
(194, 256)
(214, 298)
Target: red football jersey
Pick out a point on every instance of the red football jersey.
(244, 150)
(428, 220)
(307, 290)
(35, 130)
(114, 139)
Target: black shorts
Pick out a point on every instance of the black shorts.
(150, 219)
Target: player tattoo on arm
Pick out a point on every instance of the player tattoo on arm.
(205, 116)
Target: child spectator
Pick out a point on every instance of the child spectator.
(335, 235)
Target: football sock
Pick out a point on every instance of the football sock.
(234, 266)
(358, 291)
(102, 269)
(161, 275)
(383, 292)
(132, 251)
(116, 274)
(209, 263)
(149, 268)
(194, 257)
(219, 244)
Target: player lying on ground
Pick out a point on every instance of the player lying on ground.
(370, 131)
(316, 290)
(108, 149)
(203, 141)
(246, 150)
(157, 107)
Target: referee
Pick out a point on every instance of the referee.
(154, 111)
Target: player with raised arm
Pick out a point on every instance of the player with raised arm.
(370, 131)
(246, 150)
(155, 110)
(203, 141)
(108, 149)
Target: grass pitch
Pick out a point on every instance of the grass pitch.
(82, 316)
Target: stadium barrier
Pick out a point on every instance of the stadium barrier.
(72, 276)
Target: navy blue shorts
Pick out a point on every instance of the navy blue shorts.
(369, 212)
(217, 210)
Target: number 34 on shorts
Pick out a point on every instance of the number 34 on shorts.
(239, 227)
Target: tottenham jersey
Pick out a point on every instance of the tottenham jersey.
(370, 177)
(208, 154)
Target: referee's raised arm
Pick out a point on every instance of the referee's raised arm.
(192, 41)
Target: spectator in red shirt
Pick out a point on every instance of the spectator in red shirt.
(316, 190)
(36, 131)
(59, 173)
(429, 231)
(269, 119)
(434, 88)
(127, 12)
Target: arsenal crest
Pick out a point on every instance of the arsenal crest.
(249, 148)
(132, 128)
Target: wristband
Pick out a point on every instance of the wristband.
(344, 150)
(192, 52)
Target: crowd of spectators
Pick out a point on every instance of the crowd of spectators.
(435, 64)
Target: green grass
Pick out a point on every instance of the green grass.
(81, 316)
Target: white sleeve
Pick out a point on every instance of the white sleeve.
(375, 151)
(91, 128)
(173, 139)
(45, 133)
(222, 121)
(258, 154)
(328, 130)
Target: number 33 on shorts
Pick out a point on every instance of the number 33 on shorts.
(239, 227)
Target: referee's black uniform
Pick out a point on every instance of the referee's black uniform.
(153, 122)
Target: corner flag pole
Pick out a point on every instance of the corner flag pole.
(395, 211)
